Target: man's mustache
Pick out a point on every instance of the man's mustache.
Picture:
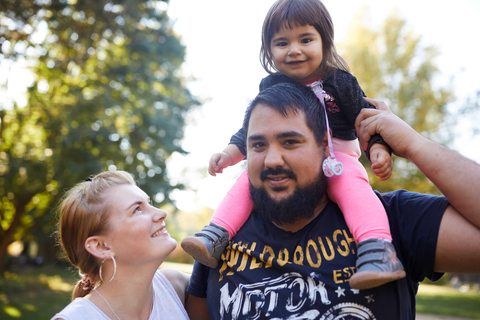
(277, 171)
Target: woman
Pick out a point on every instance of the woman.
(117, 239)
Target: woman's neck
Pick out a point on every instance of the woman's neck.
(129, 295)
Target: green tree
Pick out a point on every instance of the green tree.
(392, 65)
(107, 94)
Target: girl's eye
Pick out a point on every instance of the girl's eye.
(281, 44)
(137, 209)
(306, 40)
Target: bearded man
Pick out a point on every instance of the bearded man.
(294, 256)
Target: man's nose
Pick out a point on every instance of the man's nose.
(274, 157)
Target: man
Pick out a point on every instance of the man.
(294, 256)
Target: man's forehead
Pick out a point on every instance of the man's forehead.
(267, 119)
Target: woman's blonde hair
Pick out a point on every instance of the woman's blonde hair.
(291, 13)
(84, 212)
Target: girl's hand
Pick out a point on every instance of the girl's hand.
(382, 164)
(402, 138)
(218, 162)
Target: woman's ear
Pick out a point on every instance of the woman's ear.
(97, 247)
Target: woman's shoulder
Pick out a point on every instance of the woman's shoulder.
(176, 279)
(172, 275)
(80, 309)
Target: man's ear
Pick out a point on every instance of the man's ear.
(328, 133)
(97, 247)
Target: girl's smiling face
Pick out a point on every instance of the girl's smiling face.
(137, 232)
(297, 52)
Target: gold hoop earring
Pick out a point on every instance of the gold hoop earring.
(114, 270)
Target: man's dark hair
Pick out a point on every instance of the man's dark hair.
(285, 97)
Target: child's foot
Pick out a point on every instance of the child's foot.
(377, 264)
(207, 245)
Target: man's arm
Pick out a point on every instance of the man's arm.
(196, 304)
(457, 177)
(197, 308)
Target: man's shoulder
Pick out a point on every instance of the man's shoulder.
(408, 213)
(402, 205)
(408, 198)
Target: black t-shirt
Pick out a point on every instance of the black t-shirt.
(268, 273)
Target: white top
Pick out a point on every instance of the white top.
(166, 304)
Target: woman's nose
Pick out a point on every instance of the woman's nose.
(159, 214)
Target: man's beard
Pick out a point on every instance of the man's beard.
(297, 206)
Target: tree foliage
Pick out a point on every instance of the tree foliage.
(391, 65)
(107, 94)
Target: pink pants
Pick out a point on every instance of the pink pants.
(364, 213)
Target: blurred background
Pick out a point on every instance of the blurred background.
(157, 87)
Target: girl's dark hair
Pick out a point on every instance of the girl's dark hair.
(292, 13)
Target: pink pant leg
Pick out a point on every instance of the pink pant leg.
(364, 213)
(235, 207)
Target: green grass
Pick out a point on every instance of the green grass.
(39, 293)
(443, 300)
(35, 293)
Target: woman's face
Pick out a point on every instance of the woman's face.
(137, 229)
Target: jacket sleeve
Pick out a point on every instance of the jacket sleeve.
(350, 96)
(239, 140)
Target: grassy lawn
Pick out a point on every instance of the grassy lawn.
(38, 293)
(35, 293)
(443, 300)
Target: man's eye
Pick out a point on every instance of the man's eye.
(290, 142)
(258, 145)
